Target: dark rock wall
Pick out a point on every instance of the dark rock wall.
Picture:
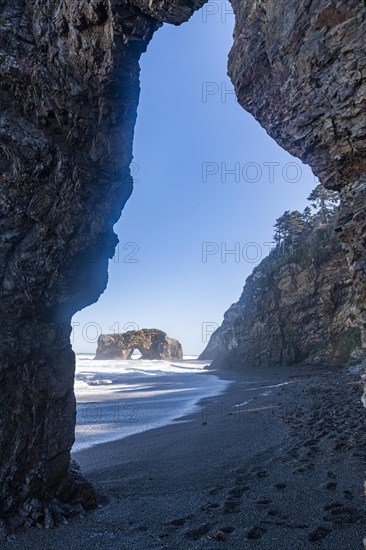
(299, 68)
(69, 88)
(169, 11)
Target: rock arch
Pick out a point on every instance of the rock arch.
(69, 92)
(151, 343)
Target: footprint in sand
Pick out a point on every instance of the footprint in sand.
(256, 533)
(211, 506)
(344, 515)
(264, 501)
(180, 521)
(236, 492)
(195, 534)
(318, 534)
(227, 530)
(231, 506)
(262, 473)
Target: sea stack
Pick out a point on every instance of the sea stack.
(152, 344)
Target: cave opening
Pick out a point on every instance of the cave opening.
(182, 232)
(199, 160)
(213, 178)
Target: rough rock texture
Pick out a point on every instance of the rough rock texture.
(168, 11)
(152, 344)
(299, 68)
(69, 88)
(295, 308)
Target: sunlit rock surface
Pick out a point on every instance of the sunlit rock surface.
(296, 307)
(151, 343)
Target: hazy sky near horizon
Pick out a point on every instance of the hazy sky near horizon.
(208, 180)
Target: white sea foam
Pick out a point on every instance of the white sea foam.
(243, 404)
(269, 387)
(116, 399)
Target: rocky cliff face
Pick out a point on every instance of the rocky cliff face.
(152, 344)
(69, 85)
(296, 307)
(299, 68)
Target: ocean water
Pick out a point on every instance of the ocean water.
(116, 399)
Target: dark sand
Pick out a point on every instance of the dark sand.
(283, 472)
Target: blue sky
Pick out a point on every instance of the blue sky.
(208, 179)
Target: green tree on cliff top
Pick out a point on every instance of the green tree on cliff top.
(293, 225)
(324, 202)
(288, 227)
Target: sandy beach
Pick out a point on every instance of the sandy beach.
(275, 462)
